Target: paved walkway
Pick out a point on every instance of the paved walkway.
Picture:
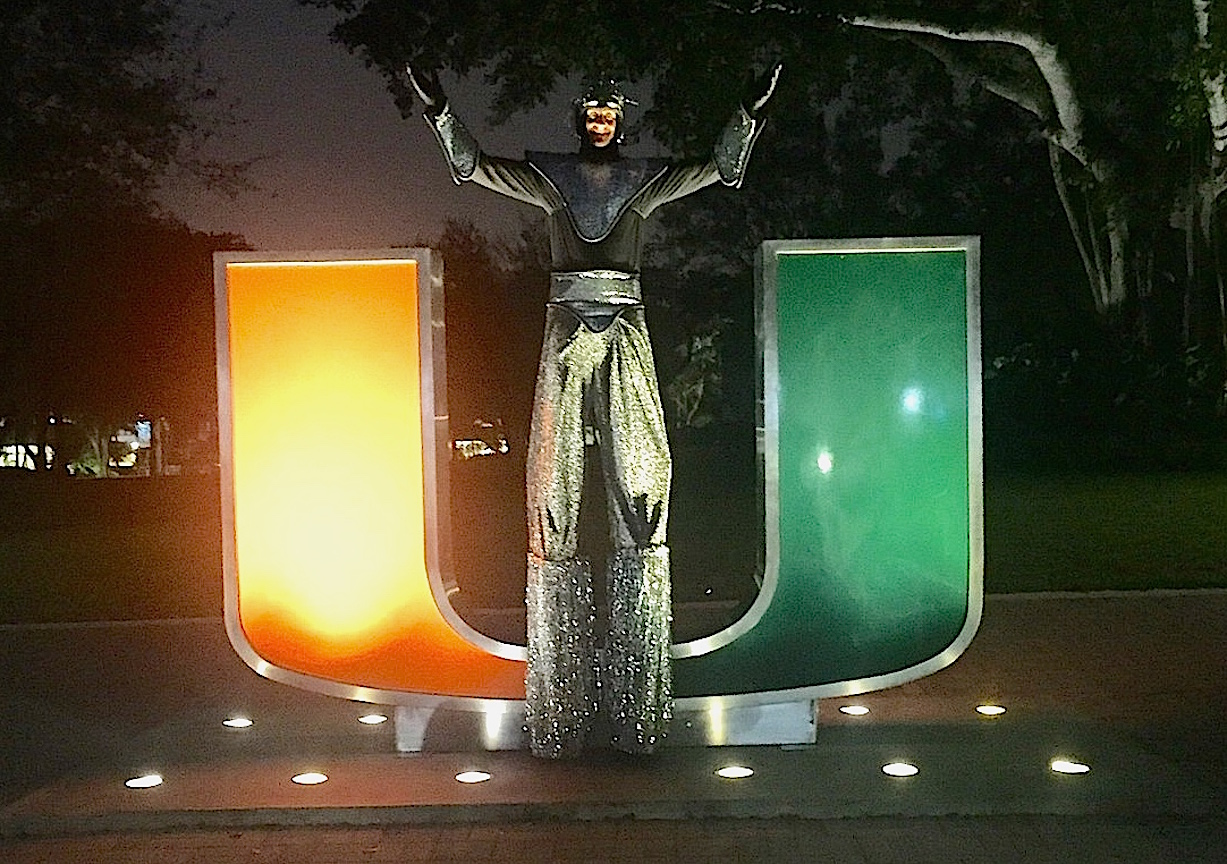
(1035, 840)
(1129, 684)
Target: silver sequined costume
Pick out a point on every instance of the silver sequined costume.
(597, 370)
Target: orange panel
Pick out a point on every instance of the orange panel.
(329, 521)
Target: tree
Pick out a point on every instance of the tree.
(109, 315)
(1204, 87)
(1136, 136)
(1088, 72)
(1095, 119)
(1123, 100)
(98, 100)
(107, 304)
(495, 295)
(898, 151)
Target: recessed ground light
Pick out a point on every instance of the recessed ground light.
(735, 772)
(854, 710)
(990, 710)
(146, 781)
(900, 769)
(373, 719)
(472, 777)
(1068, 766)
(309, 778)
(237, 722)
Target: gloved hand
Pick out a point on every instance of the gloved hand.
(759, 89)
(429, 90)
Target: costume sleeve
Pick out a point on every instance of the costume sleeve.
(467, 162)
(727, 164)
(732, 151)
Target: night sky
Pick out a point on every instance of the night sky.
(339, 168)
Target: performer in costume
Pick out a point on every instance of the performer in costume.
(597, 370)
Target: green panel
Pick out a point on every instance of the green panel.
(872, 470)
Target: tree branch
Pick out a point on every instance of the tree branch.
(1056, 74)
(957, 67)
(1094, 271)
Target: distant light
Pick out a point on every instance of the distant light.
(900, 769)
(373, 719)
(913, 400)
(147, 781)
(990, 710)
(854, 710)
(309, 778)
(1068, 766)
(237, 722)
(735, 772)
(472, 776)
(826, 461)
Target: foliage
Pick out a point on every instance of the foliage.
(495, 297)
(694, 391)
(98, 100)
(1091, 402)
(902, 151)
(1099, 77)
(631, 40)
(996, 103)
(108, 304)
(110, 316)
(898, 150)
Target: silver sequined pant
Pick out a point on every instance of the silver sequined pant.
(605, 379)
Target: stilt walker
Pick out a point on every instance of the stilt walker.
(597, 370)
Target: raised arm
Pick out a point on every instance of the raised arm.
(732, 151)
(730, 154)
(465, 159)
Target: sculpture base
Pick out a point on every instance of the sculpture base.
(501, 727)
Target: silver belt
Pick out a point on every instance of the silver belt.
(613, 287)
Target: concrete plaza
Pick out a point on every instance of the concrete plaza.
(1130, 684)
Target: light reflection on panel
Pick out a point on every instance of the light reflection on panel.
(329, 533)
(321, 393)
(870, 440)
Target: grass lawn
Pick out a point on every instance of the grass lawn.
(99, 550)
(1095, 533)
(156, 553)
(101, 573)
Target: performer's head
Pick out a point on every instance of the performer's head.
(599, 116)
(601, 125)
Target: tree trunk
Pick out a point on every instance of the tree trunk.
(1214, 85)
(1117, 229)
(1084, 236)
